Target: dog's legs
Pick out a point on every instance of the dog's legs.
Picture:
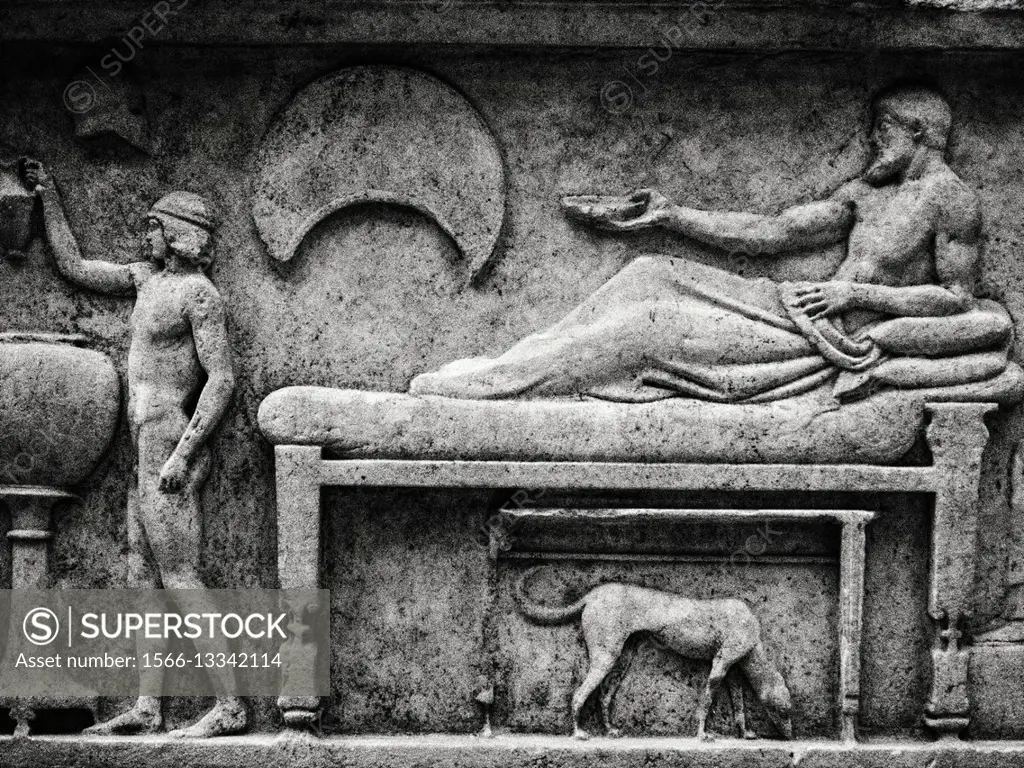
(607, 694)
(719, 669)
(739, 712)
(602, 660)
(771, 689)
(611, 686)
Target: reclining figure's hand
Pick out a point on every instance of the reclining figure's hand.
(825, 299)
(642, 209)
(652, 209)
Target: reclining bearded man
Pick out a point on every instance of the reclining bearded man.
(900, 311)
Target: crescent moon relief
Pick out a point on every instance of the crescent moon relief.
(380, 134)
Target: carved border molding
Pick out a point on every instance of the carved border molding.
(465, 751)
(704, 24)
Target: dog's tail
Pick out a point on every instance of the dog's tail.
(542, 614)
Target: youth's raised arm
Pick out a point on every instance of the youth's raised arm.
(102, 276)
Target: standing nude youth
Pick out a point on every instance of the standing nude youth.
(180, 383)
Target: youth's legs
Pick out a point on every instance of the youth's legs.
(173, 525)
(145, 716)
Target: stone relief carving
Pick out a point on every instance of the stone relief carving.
(485, 699)
(673, 376)
(61, 409)
(716, 374)
(996, 662)
(902, 311)
(111, 106)
(16, 206)
(1012, 631)
(621, 538)
(179, 354)
(348, 139)
(61, 406)
(725, 632)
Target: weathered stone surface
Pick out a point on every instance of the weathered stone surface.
(722, 631)
(969, 6)
(804, 430)
(16, 206)
(378, 134)
(117, 110)
(500, 752)
(813, 25)
(372, 300)
(996, 674)
(903, 311)
(180, 382)
(60, 412)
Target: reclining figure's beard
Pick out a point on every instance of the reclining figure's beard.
(883, 168)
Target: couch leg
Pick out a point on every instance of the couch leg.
(298, 560)
(957, 436)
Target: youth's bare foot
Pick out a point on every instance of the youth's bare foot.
(580, 734)
(228, 716)
(142, 718)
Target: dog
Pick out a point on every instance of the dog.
(724, 631)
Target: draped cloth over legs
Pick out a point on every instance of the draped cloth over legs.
(670, 327)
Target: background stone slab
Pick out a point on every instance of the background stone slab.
(376, 296)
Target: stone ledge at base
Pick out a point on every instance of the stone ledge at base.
(430, 751)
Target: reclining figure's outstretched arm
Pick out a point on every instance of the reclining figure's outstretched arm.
(801, 226)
